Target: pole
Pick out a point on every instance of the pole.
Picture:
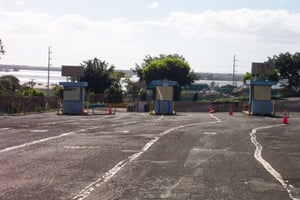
(49, 63)
(233, 71)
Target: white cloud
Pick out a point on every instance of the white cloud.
(153, 5)
(207, 40)
(264, 25)
(20, 2)
(73, 38)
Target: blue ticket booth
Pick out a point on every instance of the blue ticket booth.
(260, 97)
(260, 89)
(164, 95)
(73, 97)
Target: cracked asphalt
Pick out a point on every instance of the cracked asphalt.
(141, 156)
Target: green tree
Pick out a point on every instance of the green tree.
(288, 67)
(32, 92)
(114, 93)
(9, 85)
(98, 74)
(103, 78)
(57, 91)
(134, 89)
(247, 76)
(170, 67)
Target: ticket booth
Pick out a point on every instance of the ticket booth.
(260, 97)
(73, 97)
(260, 89)
(164, 95)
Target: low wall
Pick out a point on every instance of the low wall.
(206, 106)
(16, 104)
(287, 105)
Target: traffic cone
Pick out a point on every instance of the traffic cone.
(285, 119)
(110, 111)
(212, 110)
(230, 112)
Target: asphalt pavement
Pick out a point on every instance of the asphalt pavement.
(141, 156)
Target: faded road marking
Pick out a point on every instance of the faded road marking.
(62, 135)
(84, 193)
(39, 131)
(209, 133)
(82, 147)
(266, 164)
(216, 118)
(4, 129)
(44, 140)
(210, 150)
(35, 142)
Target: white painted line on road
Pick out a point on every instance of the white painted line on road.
(71, 121)
(122, 131)
(88, 189)
(84, 193)
(39, 131)
(82, 147)
(210, 150)
(4, 129)
(35, 142)
(216, 118)
(161, 118)
(44, 140)
(201, 123)
(59, 136)
(266, 164)
(210, 133)
(125, 123)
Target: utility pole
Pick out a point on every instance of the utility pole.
(49, 64)
(233, 71)
(31, 83)
(2, 51)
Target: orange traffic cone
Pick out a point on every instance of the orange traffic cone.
(285, 119)
(110, 111)
(230, 113)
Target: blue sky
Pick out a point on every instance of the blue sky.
(122, 32)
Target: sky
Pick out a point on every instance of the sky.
(207, 33)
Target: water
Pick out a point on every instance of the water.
(208, 82)
(40, 77)
(220, 83)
